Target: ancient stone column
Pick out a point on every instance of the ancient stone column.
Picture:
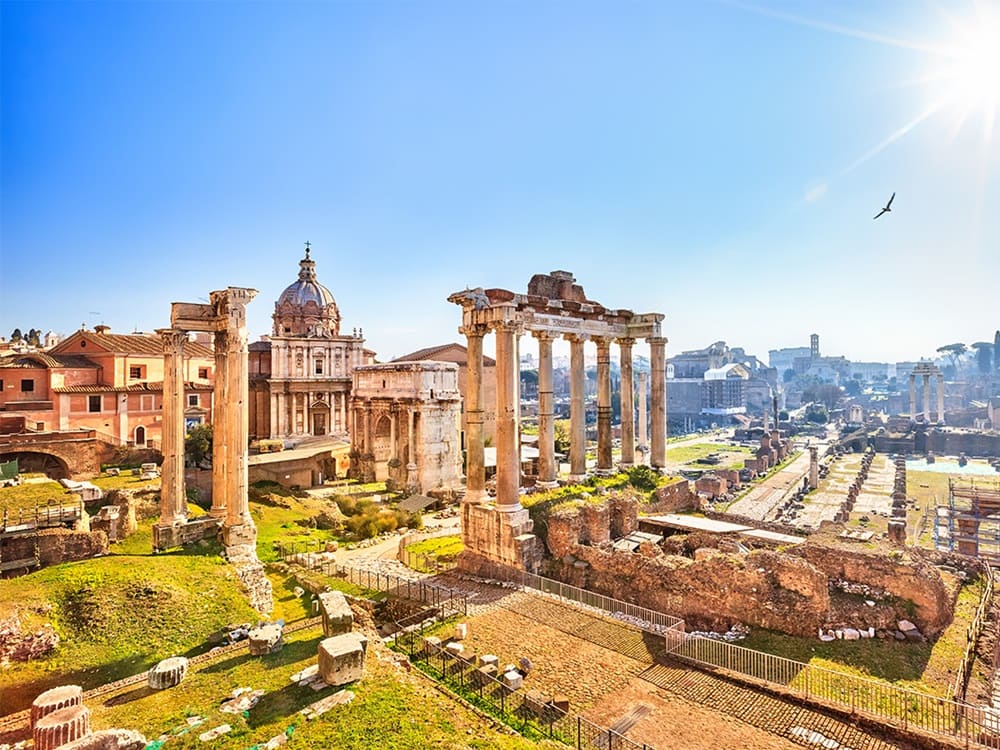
(230, 306)
(927, 398)
(628, 407)
(475, 463)
(55, 699)
(643, 431)
(658, 437)
(546, 412)
(913, 396)
(220, 419)
(577, 415)
(940, 398)
(62, 727)
(603, 405)
(411, 462)
(272, 428)
(508, 462)
(173, 500)
(813, 467)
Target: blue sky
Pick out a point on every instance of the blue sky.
(714, 161)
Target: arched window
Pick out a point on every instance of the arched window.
(140, 436)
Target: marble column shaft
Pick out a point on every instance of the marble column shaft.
(508, 462)
(628, 408)
(658, 407)
(940, 398)
(173, 500)
(577, 413)
(220, 401)
(546, 412)
(643, 420)
(603, 404)
(913, 396)
(927, 398)
(475, 461)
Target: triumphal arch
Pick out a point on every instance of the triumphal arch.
(555, 306)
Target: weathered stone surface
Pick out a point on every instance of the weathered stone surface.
(513, 680)
(461, 631)
(455, 649)
(265, 640)
(109, 739)
(337, 615)
(168, 673)
(62, 727)
(55, 699)
(432, 645)
(485, 674)
(342, 658)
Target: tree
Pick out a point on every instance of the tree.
(984, 356)
(816, 413)
(852, 387)
(954, 352)
(16, 335)
(561, 432)
(34, 337)
(827, 394)
(198, 444)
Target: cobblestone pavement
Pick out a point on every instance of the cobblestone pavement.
(763, 502)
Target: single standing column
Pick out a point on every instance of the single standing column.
(603, 405)
(546, 414)
(393, 447)
(508, 462)
(238, 528)
(643, 431)
(628, 409)
(306, 417)
(577, 414)
(272, 428)
(913, 396)
(411, 460)
(173, 501)
(940, 398)
(927, 398)
(220, 419)
(658, 437)
(343, 412)
(475, 462)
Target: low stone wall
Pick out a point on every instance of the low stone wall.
(672, 498)
(911, 578)
(765, 589)
(57, 546)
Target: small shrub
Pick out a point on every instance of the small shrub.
(643, 478)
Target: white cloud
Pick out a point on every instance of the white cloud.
(815, 193)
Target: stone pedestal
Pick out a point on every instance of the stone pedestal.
(501, 536)
(239, 535)
(55, 699)
(342, 658)
(265, 640)
(337, 615)
(62, 727)
(168, 673)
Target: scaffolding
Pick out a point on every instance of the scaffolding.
(970, 523)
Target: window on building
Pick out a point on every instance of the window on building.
(135, 372)
(192, 399)
(93, 403)
(146, 403)
(27, 386)
(319, 367)
(203, 373)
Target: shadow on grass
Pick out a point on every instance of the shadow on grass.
(289, 654)
(284, 703)
(134, 694)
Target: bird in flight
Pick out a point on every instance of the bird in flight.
(887, 208)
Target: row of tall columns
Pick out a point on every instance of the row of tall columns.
(220, 456)
(508, 406)
(173, 500)
(927, 396)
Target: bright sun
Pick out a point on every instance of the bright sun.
(969, 70)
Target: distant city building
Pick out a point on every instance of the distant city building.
(711, 385)
(784, 359)
(300, 376)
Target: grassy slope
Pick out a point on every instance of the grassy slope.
(732, 456)
(391, 710)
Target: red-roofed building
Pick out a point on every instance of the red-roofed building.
(111, 383)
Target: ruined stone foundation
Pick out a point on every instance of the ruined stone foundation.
(493, 535)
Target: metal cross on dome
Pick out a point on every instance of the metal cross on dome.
(308, 244)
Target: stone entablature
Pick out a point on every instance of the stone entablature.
(406, 425)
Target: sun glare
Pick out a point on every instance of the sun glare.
(970, 71)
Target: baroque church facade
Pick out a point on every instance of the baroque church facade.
(300, 375)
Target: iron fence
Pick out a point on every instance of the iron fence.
(972, 634)
(532, 712)
(894, 705)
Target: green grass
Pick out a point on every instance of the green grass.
(445, 547)
(732, 456)
(119, 614)
(24, 497)
(388, 712)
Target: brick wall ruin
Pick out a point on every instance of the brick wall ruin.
(701, 577)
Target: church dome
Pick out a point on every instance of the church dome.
(306, 307)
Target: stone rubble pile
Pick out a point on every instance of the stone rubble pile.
(737, 632)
